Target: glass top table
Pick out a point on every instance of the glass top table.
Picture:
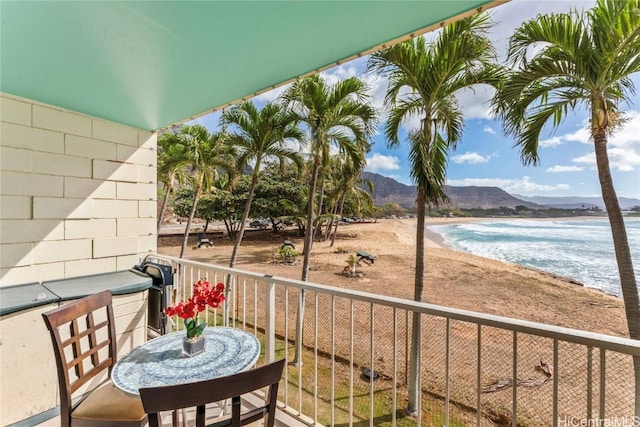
(160, 361)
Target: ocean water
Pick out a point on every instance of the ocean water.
(581, 250)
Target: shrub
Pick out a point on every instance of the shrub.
(288, 254)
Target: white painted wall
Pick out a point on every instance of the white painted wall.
(77, 193)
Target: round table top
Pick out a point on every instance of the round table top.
(160, 361)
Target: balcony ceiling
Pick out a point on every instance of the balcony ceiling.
(152, 64)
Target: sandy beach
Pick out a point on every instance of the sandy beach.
(452, 278)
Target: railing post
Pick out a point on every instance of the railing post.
(270, 321)
(351, 354)
(227, 293)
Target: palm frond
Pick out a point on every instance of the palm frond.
(423, 79)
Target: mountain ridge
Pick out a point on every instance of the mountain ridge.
(388, 190)
(576, 202)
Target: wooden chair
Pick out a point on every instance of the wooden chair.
(198, 394)
(85, 351)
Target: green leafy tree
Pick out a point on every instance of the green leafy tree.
(221, 204)
(423, 80)
(277, 190)
(224, 205)
(181, 202)
(579, 60)
(258, 135)
(393, 209)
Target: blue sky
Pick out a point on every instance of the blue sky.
(485, 157)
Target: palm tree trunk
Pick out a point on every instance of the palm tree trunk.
(413, 376)
(165, 202)
(245, 216)
(327, 232)
(623, 254)
(335, 231)
(320, 207)
(196, 196)
(308, 240)
(308, 236)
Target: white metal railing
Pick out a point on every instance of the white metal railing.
(469, 362)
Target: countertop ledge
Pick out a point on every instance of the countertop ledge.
(29, 295)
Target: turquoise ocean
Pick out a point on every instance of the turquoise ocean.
(579, 249)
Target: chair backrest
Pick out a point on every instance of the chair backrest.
(83, 348)
(198, 394)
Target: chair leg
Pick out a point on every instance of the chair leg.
(223, 408)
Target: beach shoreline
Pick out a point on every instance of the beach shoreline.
(435, 239)
(567, 238)
(452, 278)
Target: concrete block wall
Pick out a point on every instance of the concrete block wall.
(77, 193)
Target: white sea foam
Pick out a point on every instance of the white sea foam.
(582, 250)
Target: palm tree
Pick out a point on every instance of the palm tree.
(423, 79)
(337, 116)
(347, 174)
(586, 60)
(172, 161)
(205, 152)
(260, 134)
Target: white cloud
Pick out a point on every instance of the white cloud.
(520, 186)
(339, 73)
(471, 158)
(620, 159)
(624, 159)
(586, 159)
(271, 95)
(355, 68)
(551, 142)
(380, 162)
(510, 15)
(476, 101)
(559, 168)
(377, 90)
(623, 146)
(489, 129)
(581, 135)
(412, 122)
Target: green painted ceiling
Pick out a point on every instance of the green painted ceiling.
(151, 64)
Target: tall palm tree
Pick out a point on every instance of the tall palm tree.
(259, 135)
(423, 79)
(335, 116)
(585, 60)
(205, 152)
(172, 161)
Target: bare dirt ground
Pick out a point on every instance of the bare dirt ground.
(453, 279)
